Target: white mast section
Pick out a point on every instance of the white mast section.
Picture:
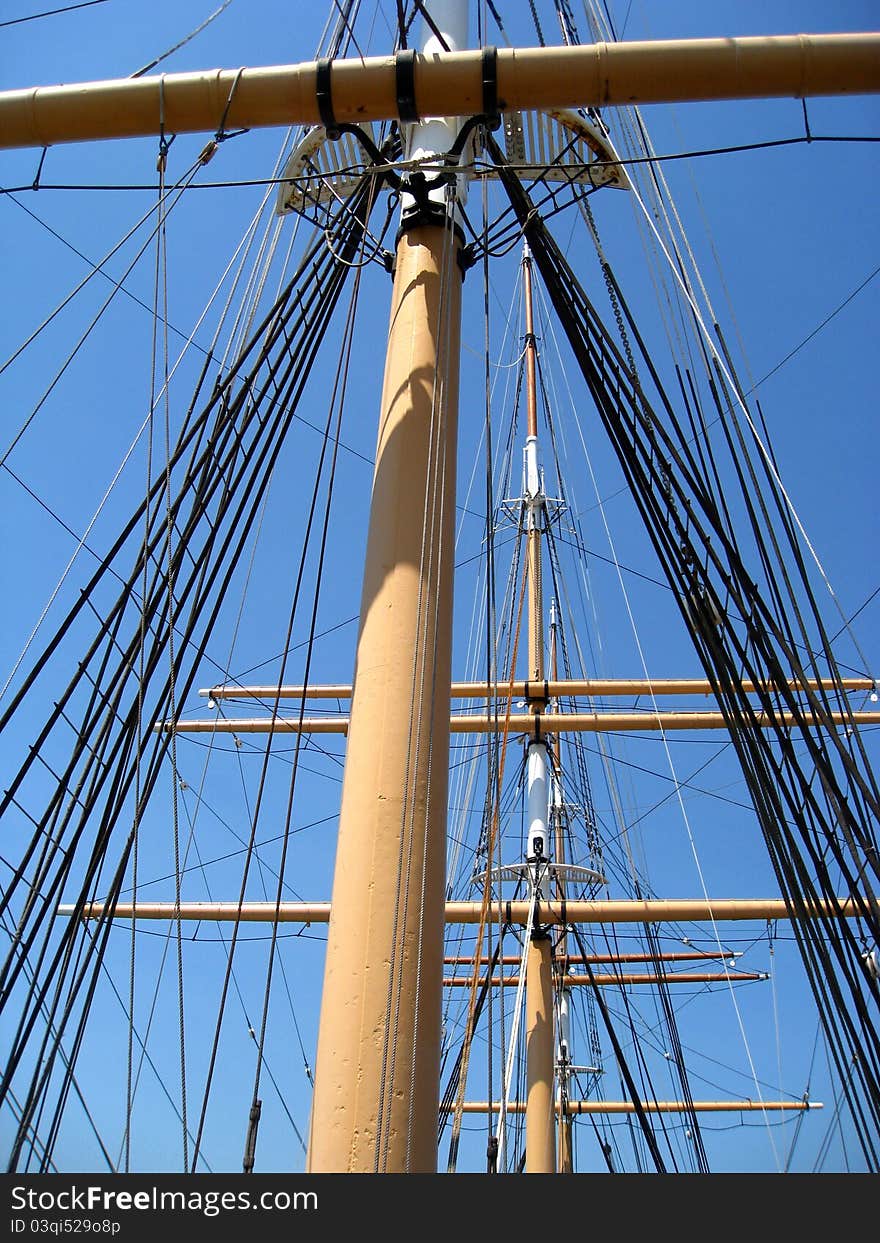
(430, 138)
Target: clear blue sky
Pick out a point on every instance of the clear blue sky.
(795, 231)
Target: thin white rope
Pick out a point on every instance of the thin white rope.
(624, 806)
(669, 759)
(773, 993)
(685, 818)
(466, 775)
(160, 395)
(96, 268)
(191, 842)
(734, 388)
(80, 545)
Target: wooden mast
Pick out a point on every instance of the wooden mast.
(378, 1060)
(377, 1068)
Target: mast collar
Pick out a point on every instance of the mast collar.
(405, 85)
(324, 96)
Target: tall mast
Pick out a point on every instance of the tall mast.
(376, 1099)
(378, 1060)
(540, 1039)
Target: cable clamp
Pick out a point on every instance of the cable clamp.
(250, 1148)
(164, 144)
(405, 85)
(324, 96)
(221, 134)
(489, 72)
(36, 182)
(210, 148)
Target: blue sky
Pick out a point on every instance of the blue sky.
(795, 231)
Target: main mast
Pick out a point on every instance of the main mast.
(378, 1060)
(376, 1098)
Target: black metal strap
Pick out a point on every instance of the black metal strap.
(405, 82)
(324, 96)
(489, 70)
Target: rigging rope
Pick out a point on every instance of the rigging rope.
(500, 1130)
(706, 569)
(492, 841)
(337, 399)
(96, 792)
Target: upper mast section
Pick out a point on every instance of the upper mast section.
(533, 492)
(429, 138)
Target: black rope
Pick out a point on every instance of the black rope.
(632, 1090)
(338, 399)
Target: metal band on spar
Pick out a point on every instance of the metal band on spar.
(599, 74)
